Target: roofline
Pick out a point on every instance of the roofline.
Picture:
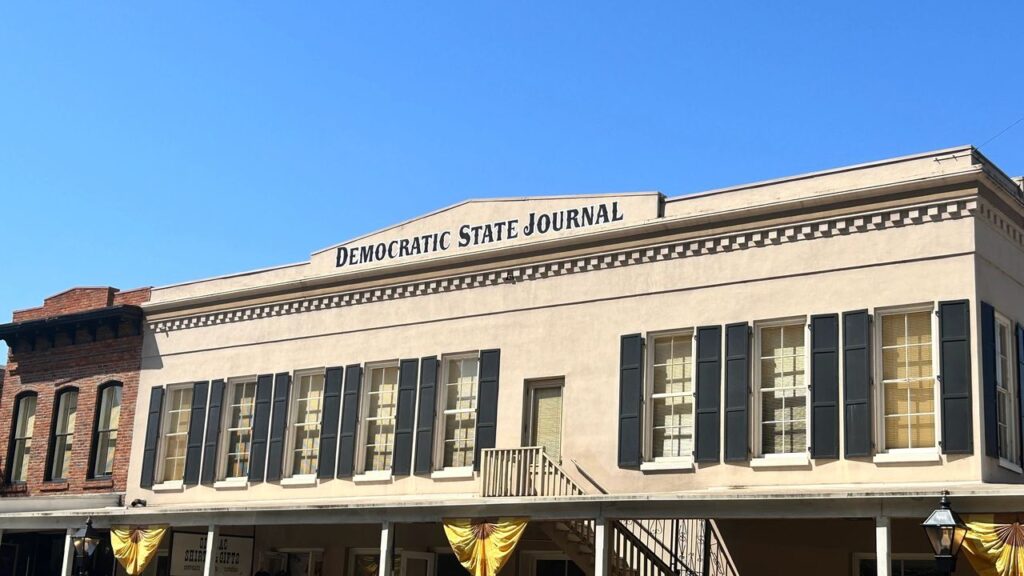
(231, 275)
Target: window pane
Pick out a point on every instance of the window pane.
(26, 417)
(783, 392)
(908, 384)
(461, 382)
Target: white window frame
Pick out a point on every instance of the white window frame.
(1007, 386)
(225, 430)
(362, 474)
(288, 466)
(162, 452)
(31, 430)
(62, 416)
(440, 470)
(787, 458)
(683, 461)
(886, 455)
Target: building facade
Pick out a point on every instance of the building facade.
(802, 365)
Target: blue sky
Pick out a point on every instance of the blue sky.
(147, 145)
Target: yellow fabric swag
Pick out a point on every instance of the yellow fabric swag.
(135, 546)
(995, 545)
(484, 547)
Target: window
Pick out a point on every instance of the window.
(21, 439)
(908, 381)
(461, 375)
(781, 388)
(307, 407)
(63, 434)
(177, 414)
(238, 430)
(107, 420)
(1006, 397)
(671, 397)
(379, 405)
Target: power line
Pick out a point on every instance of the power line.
(1004, 131)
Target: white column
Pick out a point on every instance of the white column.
(211, 549)
(387, 549)
(602, 542)
(883, 546)
(69, 553)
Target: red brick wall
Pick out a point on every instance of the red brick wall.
(84, 365)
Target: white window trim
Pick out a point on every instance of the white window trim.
(287, 467)
(683, 461)
(788, 458)
(1011, 392)
(363, 426)
(373, 477)
(884, 454)
(439, 422)
(222, 450)
(162, 451)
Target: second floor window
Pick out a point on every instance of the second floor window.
(63, 434)
(461, 376)
(908, 380)
(782, 388)
(21, 448)
(380, 405)
(307, 409)
(1006, 393)
(671, 398)
(107, 422)
(177, 415)
(238, 430)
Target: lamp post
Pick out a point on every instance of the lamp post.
(946, 532)
(85, 541)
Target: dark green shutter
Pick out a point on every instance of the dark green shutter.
(737, 391)
(825, 386)
(487, 403)
(425, 416)
(327, 460)
(1020, 389)
(196, 423)
(213, 425)
(709, 393)
(988, 379)
(349, 421)
(955, 376)
(406, 412)
(278, 426)
(857, 382)
(260, 427)
(156, 403)
(631, 399)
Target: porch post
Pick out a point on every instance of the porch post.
(387, 549)
(883, 546)
(69, 553)
(601, 547)
(212, 533)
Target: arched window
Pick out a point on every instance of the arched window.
(63, 438)
(108, 417)
(21, 437)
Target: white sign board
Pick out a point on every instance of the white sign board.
(232, 556)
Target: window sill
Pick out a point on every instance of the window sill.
(781, 461)
(909, 456)
(99, 483)
(452, 473)
(373, 477)
(54, 486)
(1004, 463)
(231, 484)
(175, 486)
(666, 465)
(298, 481)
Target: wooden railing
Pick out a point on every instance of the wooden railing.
(524, 472)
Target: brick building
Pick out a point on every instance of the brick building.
(67, 400)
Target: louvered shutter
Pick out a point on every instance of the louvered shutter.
(260, 428)
(487, 403)
(213, 426)
(278, 426)
(327, 460)
(825, 386)
(1020, 389)
(349, 421)
(709, 393)
(955, 376)
(737, 391)
(196, 423)
(156, 403)
(857, 382)
(988, 379)
(406, 412)
(631, 399)
(425, 416)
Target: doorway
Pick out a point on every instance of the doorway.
(543, 416)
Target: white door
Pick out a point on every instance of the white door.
(417, 564)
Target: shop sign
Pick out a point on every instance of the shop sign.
(232, 555)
